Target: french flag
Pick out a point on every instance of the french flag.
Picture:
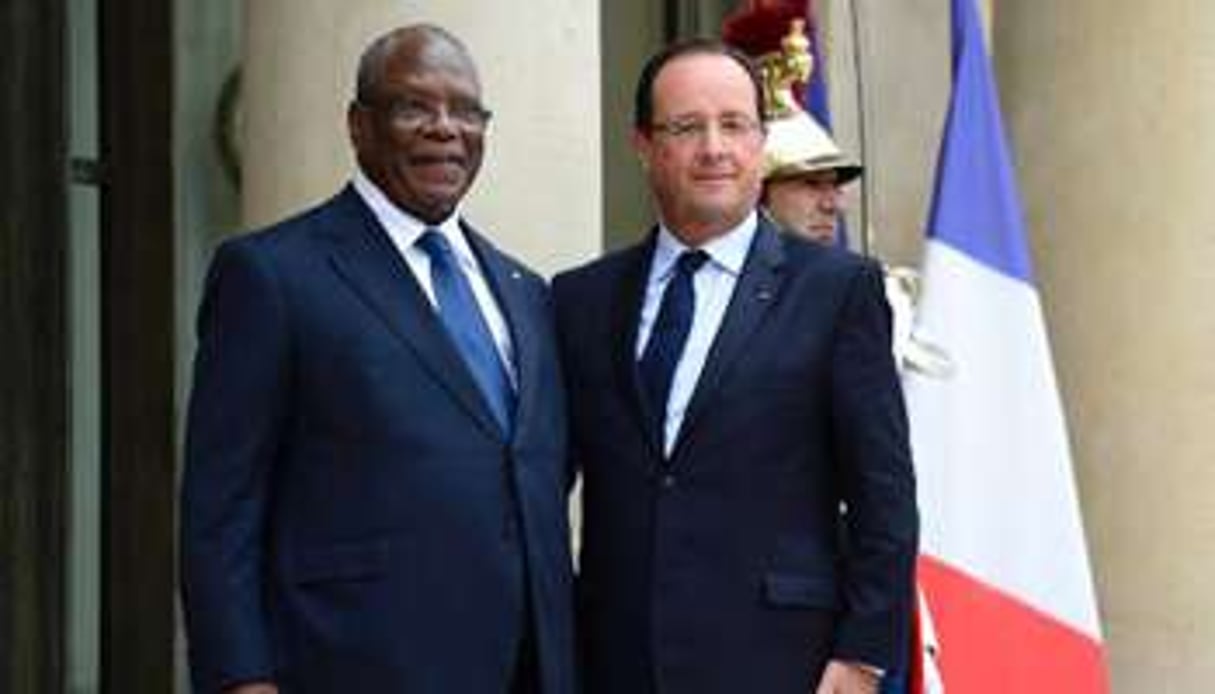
(1004, 570)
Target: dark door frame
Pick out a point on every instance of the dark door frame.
(34, 345)
(137, 276)
(135, 174)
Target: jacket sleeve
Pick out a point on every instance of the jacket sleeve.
(234, 427)
(870, 430)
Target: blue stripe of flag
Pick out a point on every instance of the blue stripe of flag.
(976, 208)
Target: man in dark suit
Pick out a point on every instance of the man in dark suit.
(375, 488)
(749, 511)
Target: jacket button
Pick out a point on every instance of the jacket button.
(668, 481)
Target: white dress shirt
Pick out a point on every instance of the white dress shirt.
(404, 229)
(714, 284)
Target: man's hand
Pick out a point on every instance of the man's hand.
(848, 678)
(253, 688)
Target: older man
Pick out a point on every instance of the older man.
(375, 487)
(731, 388)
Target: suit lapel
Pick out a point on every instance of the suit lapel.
(626, 316)
(757, 290)
(367, 260)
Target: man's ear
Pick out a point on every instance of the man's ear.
(644, 147)
(357, 125)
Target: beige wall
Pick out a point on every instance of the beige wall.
(1110, 110)
(888, 71)
(539, 191)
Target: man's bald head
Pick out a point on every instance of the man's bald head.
(427, 43)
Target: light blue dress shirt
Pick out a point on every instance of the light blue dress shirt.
(714, 284)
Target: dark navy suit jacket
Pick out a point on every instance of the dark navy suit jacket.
(729, 567)
(352, 518)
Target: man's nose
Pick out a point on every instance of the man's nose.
(830, 198)
(713, 143)
(440, 123)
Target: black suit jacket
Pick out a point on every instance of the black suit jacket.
(725, 567)
(353, 520)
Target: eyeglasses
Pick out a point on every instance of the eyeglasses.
(730, 127)
(414, 114)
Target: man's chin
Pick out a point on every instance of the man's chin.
(441, 198)
(716, 218)
(821, 234)
(431, 209)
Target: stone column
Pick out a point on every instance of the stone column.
(1109, 106)
(539, 191)
(888, 70)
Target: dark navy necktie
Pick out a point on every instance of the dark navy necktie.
(458, 310)
(670, 332)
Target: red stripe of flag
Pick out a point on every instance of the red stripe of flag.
(990, 642)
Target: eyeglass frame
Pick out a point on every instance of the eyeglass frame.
(411, 113)
(731, 126)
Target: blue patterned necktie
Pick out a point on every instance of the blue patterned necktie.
(670, 332)
(458, 310)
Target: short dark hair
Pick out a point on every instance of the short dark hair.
(375, 56)
(643, 98)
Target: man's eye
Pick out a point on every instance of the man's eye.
(466, 112)
(411, 109)
(686, 128)
(737, 127)
(733, 127)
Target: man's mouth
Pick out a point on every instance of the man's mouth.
(446, 167)
(713, 179)
(438, 160)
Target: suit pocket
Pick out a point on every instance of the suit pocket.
(346, 562)
(800, 590)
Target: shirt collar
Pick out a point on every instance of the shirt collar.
(727, 251)
(404, 228)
